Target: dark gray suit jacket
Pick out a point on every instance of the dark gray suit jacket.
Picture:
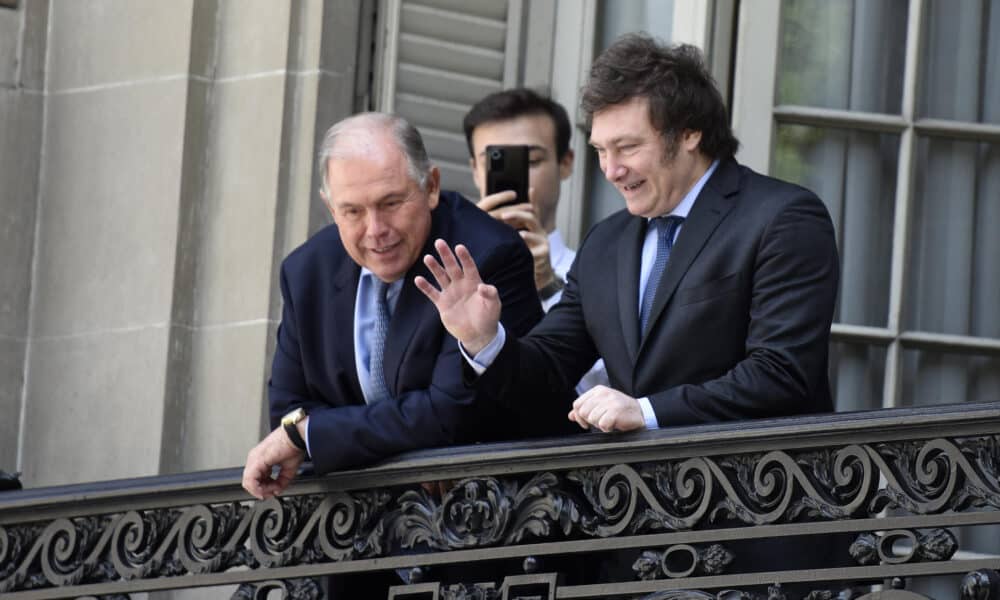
(740, 325)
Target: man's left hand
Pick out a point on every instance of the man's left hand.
(607, 410)
(275, 449)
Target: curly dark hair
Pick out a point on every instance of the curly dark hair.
(681, 92)
(514, 103)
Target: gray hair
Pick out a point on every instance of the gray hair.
(369, 124)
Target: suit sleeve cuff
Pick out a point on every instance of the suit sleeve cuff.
(647, 413)
(482, 361)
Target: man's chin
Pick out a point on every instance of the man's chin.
(636, 208)
(391, 271)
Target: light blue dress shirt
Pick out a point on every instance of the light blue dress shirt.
(364, 329)
(364, 324)
(649, 257)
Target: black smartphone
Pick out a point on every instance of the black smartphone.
(507, 169)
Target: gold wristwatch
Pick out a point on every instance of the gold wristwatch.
(290, 424)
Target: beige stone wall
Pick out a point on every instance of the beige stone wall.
(22, 54)
(157, 165)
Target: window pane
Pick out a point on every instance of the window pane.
(842, 54)
(953, 283)
(961, 62)
(857, 372)
(655, 17)
(931, 377)
(854, 173)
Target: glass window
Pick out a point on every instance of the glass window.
(954, 286)
(961, 61)
(857, 373)
(854, 173)
(842, 54)
(898, 136)
(850, 57)
(932, 377)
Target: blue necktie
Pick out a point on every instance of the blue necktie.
(380, 391)
(666, 228)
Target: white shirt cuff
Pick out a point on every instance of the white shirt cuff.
(482, 361)
(551, 301)
(308, 449)
(647, 413)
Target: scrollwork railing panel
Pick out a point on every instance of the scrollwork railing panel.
(588, 503)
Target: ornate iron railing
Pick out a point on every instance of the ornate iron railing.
(899, 490)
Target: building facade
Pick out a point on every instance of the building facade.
(157, 162)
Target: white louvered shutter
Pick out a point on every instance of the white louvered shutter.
(438, 57)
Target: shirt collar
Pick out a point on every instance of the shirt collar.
(557, 248)
(394, 287)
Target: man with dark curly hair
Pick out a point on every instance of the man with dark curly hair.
(710, 297)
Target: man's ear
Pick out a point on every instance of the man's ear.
(566, 165)
(690, 140)
(433, 187)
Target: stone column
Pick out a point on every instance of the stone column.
(177, 170)
(22, 56)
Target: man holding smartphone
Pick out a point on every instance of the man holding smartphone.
(522, 117)
(710, 296)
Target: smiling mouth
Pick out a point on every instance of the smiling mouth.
(385, 249)
(633, 186)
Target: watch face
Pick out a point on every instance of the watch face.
(293, 417)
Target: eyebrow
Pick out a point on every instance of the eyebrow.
(387, 196)
(616, 140)
(530, 148)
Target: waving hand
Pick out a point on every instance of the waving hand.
(469, 308)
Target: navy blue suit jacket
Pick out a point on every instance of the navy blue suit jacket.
(314, 364)
(739, 328)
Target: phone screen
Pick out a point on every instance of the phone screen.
(507, 169)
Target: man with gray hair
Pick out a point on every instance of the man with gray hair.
(363, 368)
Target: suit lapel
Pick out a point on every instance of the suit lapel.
(345, 285)
(712, 205)
(629, 257)
(410, 310)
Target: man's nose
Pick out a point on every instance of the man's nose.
(377, 223)
(613, 170)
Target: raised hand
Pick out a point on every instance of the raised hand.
(469, 308)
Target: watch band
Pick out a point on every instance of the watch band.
(552, 288)
(290, 424)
